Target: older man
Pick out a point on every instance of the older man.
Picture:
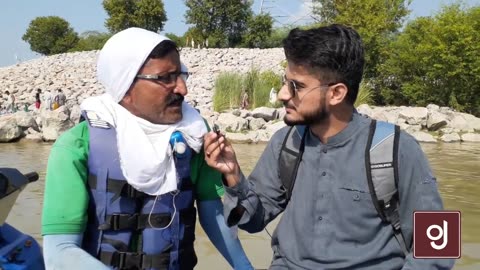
(121, 185)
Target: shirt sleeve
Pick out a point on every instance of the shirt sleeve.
(66, 196)
(262, 195)
(418, 190)
(63, 251)
(207, 181)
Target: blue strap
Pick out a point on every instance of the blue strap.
(382, 131)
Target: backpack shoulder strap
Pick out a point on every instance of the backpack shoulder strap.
(290, 157)
(382, 174)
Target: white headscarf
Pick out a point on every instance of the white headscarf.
(144, 150)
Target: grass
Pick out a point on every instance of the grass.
(365, 94)
(230, 86)
(228, 91)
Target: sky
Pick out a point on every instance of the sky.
(87, 15)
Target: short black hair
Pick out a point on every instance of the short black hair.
(163, 48)
(6, 92)
(336, 51)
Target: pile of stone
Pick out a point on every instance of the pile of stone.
(74, 73)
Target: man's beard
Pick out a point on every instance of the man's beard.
(311, 118)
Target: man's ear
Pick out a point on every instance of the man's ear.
(127, 99)
(337, 94)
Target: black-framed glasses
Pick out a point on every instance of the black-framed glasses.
(293, 90)
(165, 79)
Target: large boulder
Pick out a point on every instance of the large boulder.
(451, 137)
(268, 114)
(423, 137)
(436, 120)
(230, 123)
(471, 137)
(414, 115)
(255, 123)
(9, 130)
(54, 123)
(26, 120)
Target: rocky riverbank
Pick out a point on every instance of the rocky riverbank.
(74, 73)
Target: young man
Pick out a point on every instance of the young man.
(121, 185)
(329, 221)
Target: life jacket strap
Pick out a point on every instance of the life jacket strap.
(135, 260)
(139, 260)
(137, 221)
(121, 188)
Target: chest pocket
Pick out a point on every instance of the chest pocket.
(354, 197)
(356, 213)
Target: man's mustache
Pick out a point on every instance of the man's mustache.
(174, 99)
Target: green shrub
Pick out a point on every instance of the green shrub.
(228, 90)
(268, 80)
(230, 87)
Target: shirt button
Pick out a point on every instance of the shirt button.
(324, 173)
(320, 218)
(325, 150)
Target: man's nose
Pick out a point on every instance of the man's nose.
(181, 87)
(284, 94)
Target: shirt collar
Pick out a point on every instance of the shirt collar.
(354, 126)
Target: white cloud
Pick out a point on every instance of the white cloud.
(298, 16)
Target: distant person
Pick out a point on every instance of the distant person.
(48, 100)
(10, 107)
(273, 96)
(245, 103)
(38, 100)
(59, 99)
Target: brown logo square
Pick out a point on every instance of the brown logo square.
(436, 234)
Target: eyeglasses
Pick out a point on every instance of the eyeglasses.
(165, 79)
(293, 89)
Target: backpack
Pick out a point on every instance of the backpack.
(381, 167)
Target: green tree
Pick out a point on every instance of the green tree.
(147, 14)
(223, 22)
(179, 40)
(91, 40)
(50, 35)
(259, 30)
(277, 36)
(377, 22)
(437, 60)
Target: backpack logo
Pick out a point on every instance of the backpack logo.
(381, 165)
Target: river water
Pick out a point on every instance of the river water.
(456, 166)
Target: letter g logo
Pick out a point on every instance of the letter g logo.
(442, 232)
(436, 234)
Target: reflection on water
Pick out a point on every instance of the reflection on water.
(457, 167)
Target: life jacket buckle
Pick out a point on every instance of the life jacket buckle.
(131, 260)
(121, 259)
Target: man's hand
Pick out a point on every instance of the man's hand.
(219, 154)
